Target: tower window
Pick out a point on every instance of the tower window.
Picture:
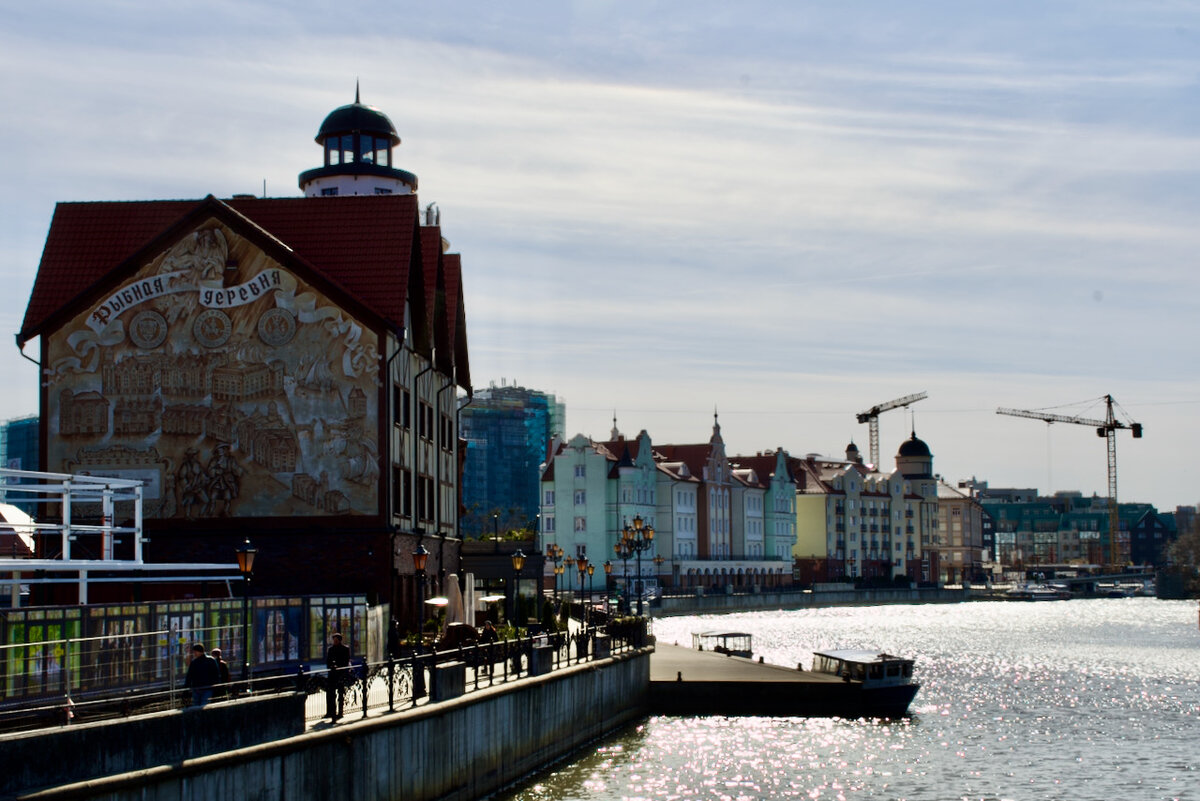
(382, 190)
(329, 191)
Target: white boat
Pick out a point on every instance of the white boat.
(1035, 592)
(885, 681)
(730, 643)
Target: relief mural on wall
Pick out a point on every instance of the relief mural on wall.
(225, 383)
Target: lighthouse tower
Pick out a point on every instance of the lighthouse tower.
(358, 142)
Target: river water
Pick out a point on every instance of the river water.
(1080, 699)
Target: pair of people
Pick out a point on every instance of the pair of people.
(205, 673)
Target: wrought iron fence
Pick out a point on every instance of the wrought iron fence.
(364, 687)
(406, 681)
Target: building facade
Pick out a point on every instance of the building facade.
(1071, 529)
(853, 522)
(507, 430)
(280, 369)
(718, 521)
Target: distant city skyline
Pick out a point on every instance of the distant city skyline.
(784, 212)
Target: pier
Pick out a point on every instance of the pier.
(684, 681)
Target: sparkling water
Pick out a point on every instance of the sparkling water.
(1081, 699)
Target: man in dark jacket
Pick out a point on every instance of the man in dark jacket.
(202, 674)
(337, 659)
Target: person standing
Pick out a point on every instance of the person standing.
(487, 638)
(337, 660)
(202, 674)
(222, 673)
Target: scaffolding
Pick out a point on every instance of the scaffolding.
(85, 505)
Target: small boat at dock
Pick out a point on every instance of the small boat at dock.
(885, 682)
(730, 643)
(1036, 592)
(717, 677)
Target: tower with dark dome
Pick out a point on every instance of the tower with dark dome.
(358, 142)
(914, 460)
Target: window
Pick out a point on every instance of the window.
(548, 524)
(401, 404)
(329, 191)
(580, 550)
(425, 498)
(401, 492)
(549, 498)
(382, 190)
(580, 471)
(424, 420)
(580, 497)
(447, 433)
(581, 524)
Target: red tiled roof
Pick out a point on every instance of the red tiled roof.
(694, 456)
(363, 245)
(456, 316)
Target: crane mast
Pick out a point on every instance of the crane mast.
(1107, 429)
(872, 416)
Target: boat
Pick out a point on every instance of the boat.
(885, 682)
(1036, 592)
(730, 643)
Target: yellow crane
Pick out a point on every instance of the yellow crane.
(1107, 429)
(872, 416)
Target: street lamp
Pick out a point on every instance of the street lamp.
(554, 553)
(518, 562)
(582, 565)
(420, 556)
(638, 538)
(591, 572)
(245, 560)
(608, 586)
(623, 552)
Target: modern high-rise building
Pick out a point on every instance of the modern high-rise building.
(508, 430)
(19, 451)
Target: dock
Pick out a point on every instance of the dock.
(684, 681)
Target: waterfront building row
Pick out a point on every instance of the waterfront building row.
(767, 519)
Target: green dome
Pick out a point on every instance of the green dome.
(357, 118)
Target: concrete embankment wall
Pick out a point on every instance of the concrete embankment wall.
(83, 751)
(459, 749)
(717, 603)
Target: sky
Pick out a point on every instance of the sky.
(781, 212)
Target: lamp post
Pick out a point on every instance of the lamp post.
(638, 538)
(518, 562)
(591, 572)
(420, 556)
(658, 563)
(608, 586)
(623, 552)
(554, 553)
(582, 565)
(245, 560)
(569, 563)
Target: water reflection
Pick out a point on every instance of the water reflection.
(1081, 699)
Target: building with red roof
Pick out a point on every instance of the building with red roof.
(279, 369)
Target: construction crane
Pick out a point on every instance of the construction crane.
(872, 416)
(1106, 428)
